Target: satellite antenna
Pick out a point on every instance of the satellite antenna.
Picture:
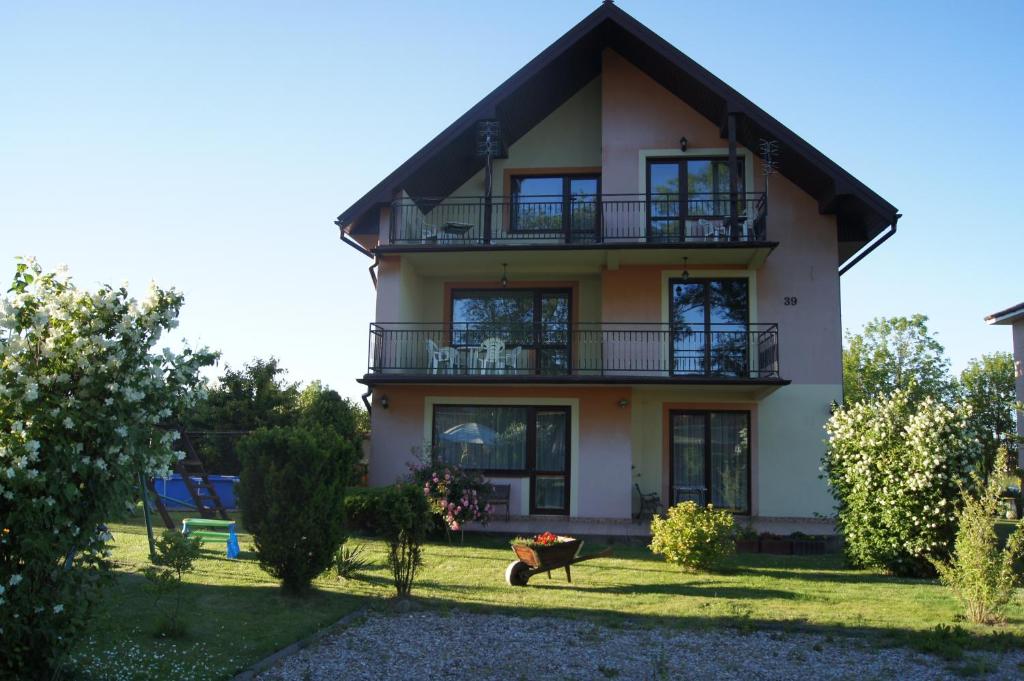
(488, 145)
(769, 160)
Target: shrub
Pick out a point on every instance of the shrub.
(362, 506)
(176, 554)
(291, 493)
(82, 399)
(403, 522)
(895, 469)
(456, 495)
(349, 561)
(981, 576)
(694, 538)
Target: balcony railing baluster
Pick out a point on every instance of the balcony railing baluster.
(738, 351)
(659, 219)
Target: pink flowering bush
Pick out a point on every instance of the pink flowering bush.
(456, 495)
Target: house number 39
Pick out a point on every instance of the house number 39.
(789, 300)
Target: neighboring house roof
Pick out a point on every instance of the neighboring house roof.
(1007, 316)
(571, 62)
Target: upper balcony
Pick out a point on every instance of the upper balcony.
(623, 221)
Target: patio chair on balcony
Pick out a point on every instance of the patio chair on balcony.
(512, 359)
(442, 360)
(492, 356)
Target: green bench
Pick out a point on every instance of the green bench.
(210, 530)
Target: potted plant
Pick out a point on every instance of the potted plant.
(546, 549)
(746, 541)
(776, 544)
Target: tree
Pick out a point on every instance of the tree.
(891, 354)
(320, 406)
(83, 399)
(257, 396)
(987, 387)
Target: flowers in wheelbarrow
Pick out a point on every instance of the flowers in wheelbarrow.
(545, 539)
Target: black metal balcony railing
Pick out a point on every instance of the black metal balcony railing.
(737, 351)
(615, 218)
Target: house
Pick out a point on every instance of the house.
(1014, 318)
(614, 274)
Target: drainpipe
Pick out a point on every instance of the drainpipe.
(891, 229)
(366, 399)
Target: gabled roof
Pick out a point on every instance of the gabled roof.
(1007, 316)
(572, 61)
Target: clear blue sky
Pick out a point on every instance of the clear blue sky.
(209, 145)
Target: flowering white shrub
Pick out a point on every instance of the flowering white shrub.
(895, 469)
(82, 400)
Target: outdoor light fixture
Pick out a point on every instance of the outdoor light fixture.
(504, 275)
(623, 403)
(383, 401)
(682, 144)
(686, 271)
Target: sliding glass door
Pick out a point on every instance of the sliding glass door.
(710, 329)
(688, 198)
(710, 458)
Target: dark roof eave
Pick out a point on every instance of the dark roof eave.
(1007, 316)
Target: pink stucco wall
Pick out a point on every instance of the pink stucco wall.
(602, 477)
(1018, 362)
(639, 114)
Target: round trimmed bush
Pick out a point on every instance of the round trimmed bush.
(693, 537)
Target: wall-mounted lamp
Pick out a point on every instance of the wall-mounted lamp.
(623, 403)
(504, 275)
(686, 271)
(682, 144)
(383, 401)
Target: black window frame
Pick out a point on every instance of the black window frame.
(708, 328)
(682, 214)
(537, 332)
(530, 471)
(566, 226)
(706, 414)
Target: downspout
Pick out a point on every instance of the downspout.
(359, 247)
(890, 230)
(366, 399)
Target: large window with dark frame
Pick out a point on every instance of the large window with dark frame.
(536, 320)
(710, 458)
(710, 327)
(565, 204)
(528, 441)
(689, 197)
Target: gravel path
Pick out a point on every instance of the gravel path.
(432, 645)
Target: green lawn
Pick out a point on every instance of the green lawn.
(237, 616)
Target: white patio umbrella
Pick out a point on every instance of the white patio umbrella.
(470, 434)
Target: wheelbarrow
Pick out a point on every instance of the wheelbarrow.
(532, 560)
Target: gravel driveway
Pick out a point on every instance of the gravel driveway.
(433, 645)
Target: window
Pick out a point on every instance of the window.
(536, 320)
(528, 441)
(710, 329)
(689, 191)
(710, 458)
(564, 204)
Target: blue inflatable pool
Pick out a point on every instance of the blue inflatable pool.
(177, 498)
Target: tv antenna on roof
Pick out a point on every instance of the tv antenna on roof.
(769, 159)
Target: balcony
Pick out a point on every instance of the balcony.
(582, 221)
(577, 353)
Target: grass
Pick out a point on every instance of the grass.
(236, 615)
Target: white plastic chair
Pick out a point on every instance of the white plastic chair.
(446, 357)
(492, 355)
(512, 359)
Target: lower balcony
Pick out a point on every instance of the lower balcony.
(710, 354)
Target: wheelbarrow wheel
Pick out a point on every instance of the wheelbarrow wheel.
(517, 573)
